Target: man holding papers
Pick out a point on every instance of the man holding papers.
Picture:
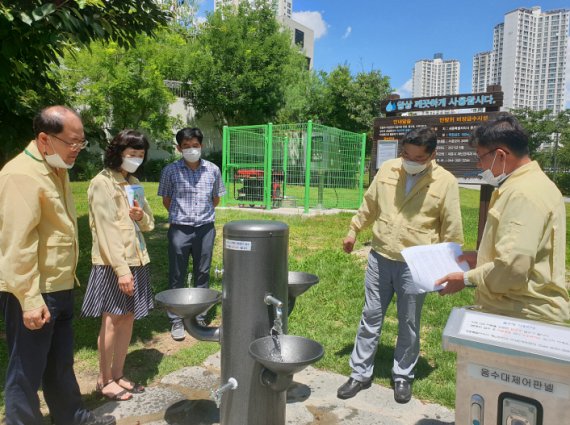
(519, 269)
(412, 201)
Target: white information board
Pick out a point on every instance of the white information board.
(387, 149)
(524, 335)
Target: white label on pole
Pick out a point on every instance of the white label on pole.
(518, 380)
(238, 245)
(387, 149)
(525, 335)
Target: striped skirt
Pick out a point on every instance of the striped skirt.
(104, 296)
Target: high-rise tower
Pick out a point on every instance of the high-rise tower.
(435, 77)
(528, 59)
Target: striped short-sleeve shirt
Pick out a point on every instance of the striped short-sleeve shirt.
(192, 192)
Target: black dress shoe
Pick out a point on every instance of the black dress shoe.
(351, 387)
(402, 391)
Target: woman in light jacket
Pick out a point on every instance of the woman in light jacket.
(119, 285)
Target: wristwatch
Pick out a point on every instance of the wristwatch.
(467, 282)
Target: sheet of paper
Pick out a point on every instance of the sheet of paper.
(428, 263)
(135, 192)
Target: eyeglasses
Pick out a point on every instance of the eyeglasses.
(406, 156)
(485, 154)
(73, 146)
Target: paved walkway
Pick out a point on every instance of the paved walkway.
(183, 397)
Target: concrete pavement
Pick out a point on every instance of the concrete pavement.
(183, 398)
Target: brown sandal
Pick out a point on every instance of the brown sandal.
(133, 387)
(113, 397)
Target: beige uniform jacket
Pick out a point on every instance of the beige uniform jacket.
(116, 240)
(38, 229)
(521, 261)
(430, 213)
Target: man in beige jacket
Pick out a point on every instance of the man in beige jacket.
(520, 267)
(38, 259)
(412, 201)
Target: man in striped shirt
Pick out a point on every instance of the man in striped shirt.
(191, 189)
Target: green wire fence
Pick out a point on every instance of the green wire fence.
(293, 165)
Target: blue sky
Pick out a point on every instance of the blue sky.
(392, 35)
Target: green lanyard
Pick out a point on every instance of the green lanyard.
(31, 155)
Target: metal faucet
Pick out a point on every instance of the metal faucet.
(278, 305)
(216, 395)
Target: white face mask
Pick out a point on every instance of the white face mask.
(130, 165)
(412, 167)
(488, 177)
(56, 161)
(192, 154)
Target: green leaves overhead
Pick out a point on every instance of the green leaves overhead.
(35, 34)
(238, 66)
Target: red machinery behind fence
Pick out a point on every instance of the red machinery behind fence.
(253, 183)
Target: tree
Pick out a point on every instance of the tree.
(238, 65)
(538, 124)
(305, 98)
(338, 99)
(549, 136)
(35, 34)
(368, 91)
(117, 88)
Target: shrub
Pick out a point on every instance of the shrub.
(87, 165)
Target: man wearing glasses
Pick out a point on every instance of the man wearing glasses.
(38, 260)
(519, 269)
(412, 201)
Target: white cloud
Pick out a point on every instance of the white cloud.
(406, 89)
(313, 20)
(347, 32)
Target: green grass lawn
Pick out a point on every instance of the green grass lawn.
(329, 312)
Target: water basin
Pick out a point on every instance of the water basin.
(299, 282)
(188, 302)
(296, 354)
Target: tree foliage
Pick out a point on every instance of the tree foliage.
(35, 34)
(239, 65)
(549, 135)
(338, 99)
(117, 88)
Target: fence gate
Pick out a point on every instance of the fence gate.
(293, 165)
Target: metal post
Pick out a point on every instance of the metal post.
(255, 265)
(285, 165)
(308, 164)
(268, 186)
(225, 152)
(361, 171)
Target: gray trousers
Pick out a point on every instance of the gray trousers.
(184, 241)
(383, 279)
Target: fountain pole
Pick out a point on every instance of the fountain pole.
(255, 266)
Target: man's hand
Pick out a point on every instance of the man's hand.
(127, 284)
(348, 244)
(453, 283)
(35, 319)
(136, 213)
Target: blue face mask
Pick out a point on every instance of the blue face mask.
(488, 177)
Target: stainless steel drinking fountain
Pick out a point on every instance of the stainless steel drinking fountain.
(258, 359)
(292, 355)
(297, 284)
